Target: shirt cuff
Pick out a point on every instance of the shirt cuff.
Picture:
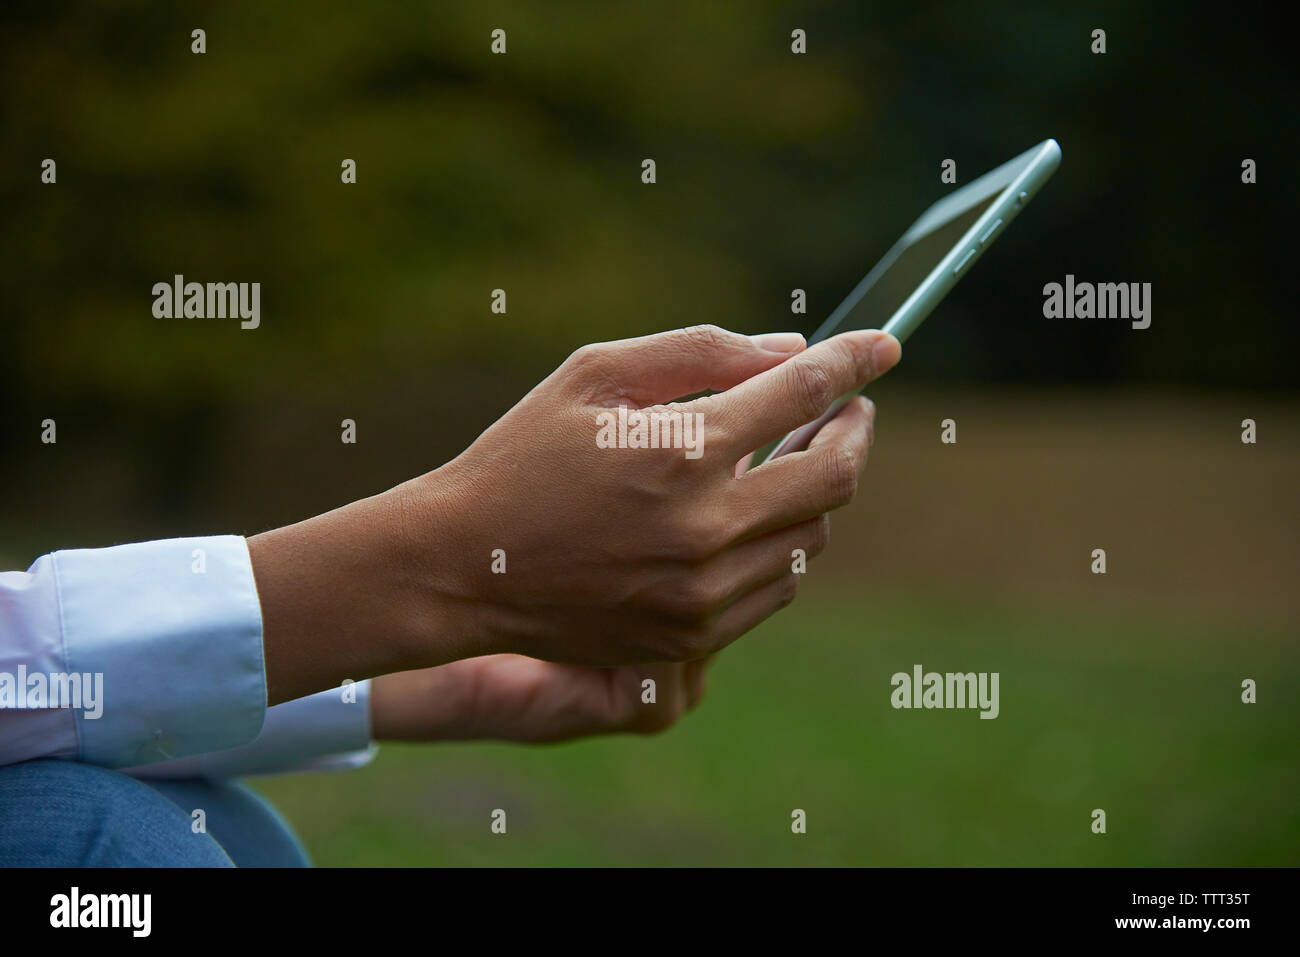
(175, 630)
(328, 731)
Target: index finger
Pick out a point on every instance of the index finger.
(799, 390)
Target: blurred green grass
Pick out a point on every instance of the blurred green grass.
(1136, 714)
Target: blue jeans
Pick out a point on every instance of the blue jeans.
(66, 814)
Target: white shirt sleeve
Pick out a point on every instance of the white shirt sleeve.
(151, 652)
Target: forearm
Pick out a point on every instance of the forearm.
(364, 590)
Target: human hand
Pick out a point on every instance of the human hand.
(513, 698)
(607, 556)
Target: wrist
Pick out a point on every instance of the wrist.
(430, 572)
(365, 590)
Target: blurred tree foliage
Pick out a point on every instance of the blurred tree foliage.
(522, 171)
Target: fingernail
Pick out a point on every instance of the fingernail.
(785, 342)
(887, 351)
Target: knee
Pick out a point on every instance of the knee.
(67, 814)
(245, 824)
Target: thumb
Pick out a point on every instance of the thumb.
(669, 365)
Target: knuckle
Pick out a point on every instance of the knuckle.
(813, 387)
(688, 643)
(705, 336)
(789, 590)
(712, 426)
(820, 536)
(697, 601)
(779, 595)
(840, 476)
(587, 359)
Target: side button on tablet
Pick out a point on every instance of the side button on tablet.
(964, 260)
(990, 231)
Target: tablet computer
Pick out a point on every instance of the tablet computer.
(935, 252)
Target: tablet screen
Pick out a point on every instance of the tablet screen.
(887, 286)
